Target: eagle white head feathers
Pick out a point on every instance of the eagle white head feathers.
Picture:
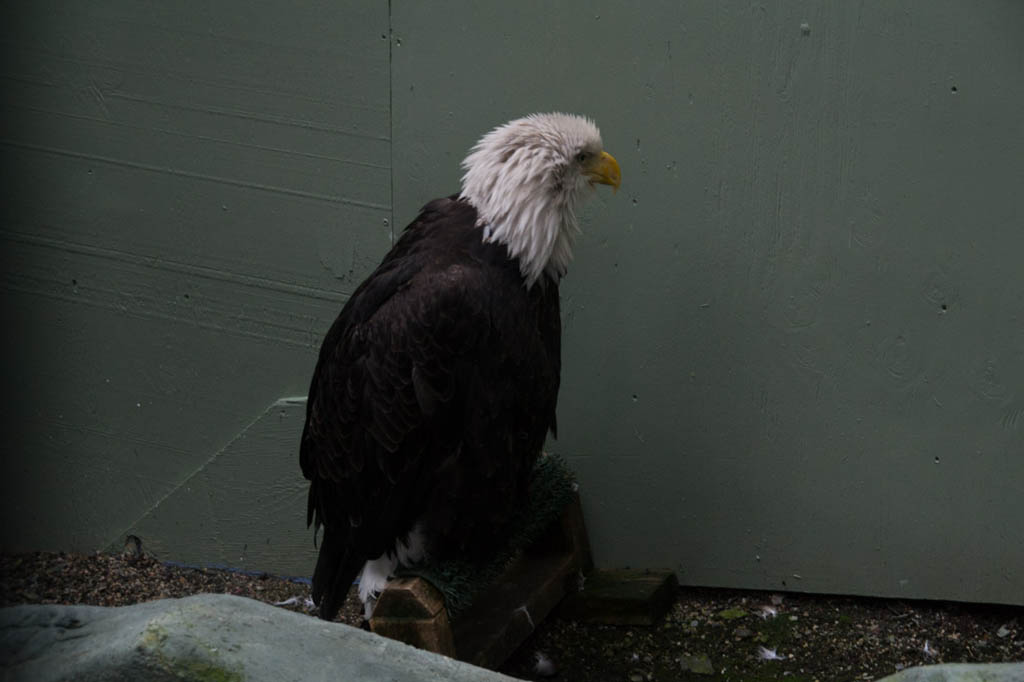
(526, 178)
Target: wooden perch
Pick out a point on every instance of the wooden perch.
(412, 610)
(622, 597)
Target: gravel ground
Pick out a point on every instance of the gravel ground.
(708, 635)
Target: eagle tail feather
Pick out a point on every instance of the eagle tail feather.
(335, 572)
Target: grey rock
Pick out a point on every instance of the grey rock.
(698, 665)
(206, 637)
(961, 672)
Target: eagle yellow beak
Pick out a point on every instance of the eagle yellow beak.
(606, 171)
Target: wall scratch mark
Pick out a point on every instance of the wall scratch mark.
(199, 176)
(203, 138)
(162, 263)
(158, 75)
(249, 116)
(186, 479)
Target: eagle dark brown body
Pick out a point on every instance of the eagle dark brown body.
(436, 386)
(431, 400)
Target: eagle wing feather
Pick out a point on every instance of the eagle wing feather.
(432, 395)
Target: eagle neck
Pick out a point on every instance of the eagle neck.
(538, 235)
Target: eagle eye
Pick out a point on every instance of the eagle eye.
(582, 156)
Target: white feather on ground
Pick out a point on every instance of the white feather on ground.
(543, 666)
(766, 654)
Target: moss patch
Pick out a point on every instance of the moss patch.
(732, 614)
(187, 667)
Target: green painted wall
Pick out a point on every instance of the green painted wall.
(794, 340)
(190, 192)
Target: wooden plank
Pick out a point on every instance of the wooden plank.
(488, 633)
(411, 610)
(622, 597)
(491, 630)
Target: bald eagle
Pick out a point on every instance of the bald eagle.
(436, 385)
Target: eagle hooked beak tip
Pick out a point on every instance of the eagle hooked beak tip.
(606, 171)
